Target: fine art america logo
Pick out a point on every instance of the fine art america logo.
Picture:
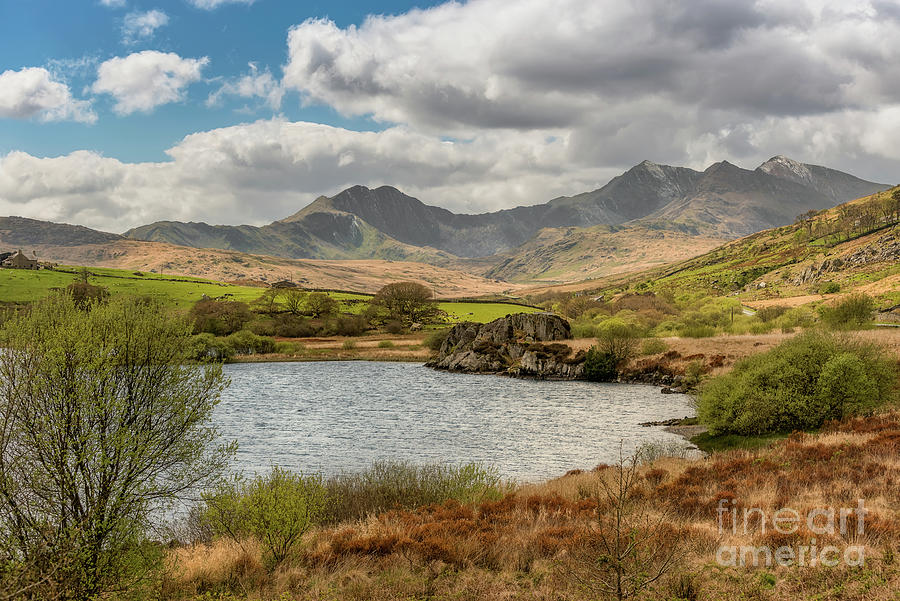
(849, 523)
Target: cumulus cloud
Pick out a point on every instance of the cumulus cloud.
(258, 172)
(32, 92)
(624, 79)
(144, 80)
(259, 85)
(142, 25)
(213, 4)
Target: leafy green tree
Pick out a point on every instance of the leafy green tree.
(294, 300)
(220, 317)
(103, 420)
(408, 302)
(319, 304)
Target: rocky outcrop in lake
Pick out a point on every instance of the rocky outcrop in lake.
(523, 344)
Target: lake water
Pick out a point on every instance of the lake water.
(339, 417)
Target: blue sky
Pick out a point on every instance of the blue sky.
(118, 113)
(59, 34)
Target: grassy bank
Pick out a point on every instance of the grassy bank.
(533, 542)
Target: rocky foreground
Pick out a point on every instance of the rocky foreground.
(523, 344)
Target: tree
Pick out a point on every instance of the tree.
(320, 304)
(103, 421)
(294, 300)
(406, 301)
(220, 317)
(85, 294)
(631, 546)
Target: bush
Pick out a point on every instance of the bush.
(402, 485)
(852, 313)
(291, 326)
(653, 346)
(353, 325)
(767, 314)
(394, 327)
(798, 385)
(436, 339)
(348, 345)
(275, 509)
(696, 331)
(246, 342)
(618, 339)
(285, 348)
(385, 344)
(829, 288)
(600, 366)
(206, 347)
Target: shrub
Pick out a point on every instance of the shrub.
(852, 313)
(276, 509)
(285, 348)
(600, 366)
(348, 345)
(829, 288)
(402, 485)
(653, 346)
(246, 342)
(696, 331)
(352, 325)
(206, 347)
(436, 339)
(772, 313)
(798, 385)
(394, 327)
(385, 344)
(291, 326)
(618, 339)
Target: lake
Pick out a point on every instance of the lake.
(340, 416)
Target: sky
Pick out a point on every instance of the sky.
(117, 113)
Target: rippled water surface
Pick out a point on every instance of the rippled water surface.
(340, 416)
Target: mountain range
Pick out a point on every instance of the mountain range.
(686, 212)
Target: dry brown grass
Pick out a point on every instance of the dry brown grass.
(518, 548)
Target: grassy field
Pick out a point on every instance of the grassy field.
(20, 286)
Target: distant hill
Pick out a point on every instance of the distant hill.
(20, 232)
(724, 201)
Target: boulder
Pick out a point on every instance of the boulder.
(513, 345)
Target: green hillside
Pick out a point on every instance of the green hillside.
(21, 286)
(853, 246)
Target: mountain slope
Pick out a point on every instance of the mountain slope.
(724, 201)
(22, 232)
(730, 202)
(788, 265)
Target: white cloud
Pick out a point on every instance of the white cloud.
(144, 80)
(213, 4)
(113, 3)
(624, 79)
(254, 85)
(266, 170)
(33, 92)
(142, 25)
